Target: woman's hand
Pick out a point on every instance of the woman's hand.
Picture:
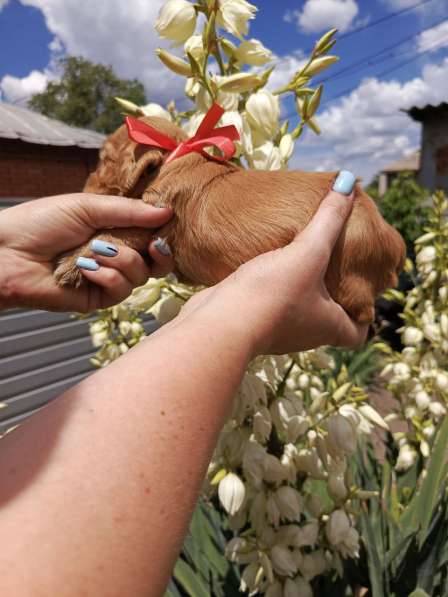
(278, 301)
(33, 234)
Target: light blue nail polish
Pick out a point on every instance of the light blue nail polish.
(104, 248)
(86, 263)
(344, 183)
(162, 246)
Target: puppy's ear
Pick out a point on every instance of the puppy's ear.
(123, 162)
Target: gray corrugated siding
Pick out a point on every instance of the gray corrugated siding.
(41, 355)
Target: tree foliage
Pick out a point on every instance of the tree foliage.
(404, 205)
(84, 95)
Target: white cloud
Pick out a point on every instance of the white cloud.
(115, 33)
(434, 38)
(368, 129)
(319, 15)
(18, 90)
(3, 3)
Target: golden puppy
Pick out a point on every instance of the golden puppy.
(225, 215)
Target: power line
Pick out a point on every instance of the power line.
(353, 67)
(379, 75)
(393, 69)
(387, 17)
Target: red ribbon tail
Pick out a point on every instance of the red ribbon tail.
(144, 134)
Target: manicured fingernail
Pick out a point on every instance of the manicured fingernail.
(344, 183)
(86, 263)
(104, 248)
(163, 247)
(159, 204)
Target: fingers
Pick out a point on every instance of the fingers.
(127, 261)
(326, 226)
(345, 332)
(162, 258)
(101, 211)
(114, 287)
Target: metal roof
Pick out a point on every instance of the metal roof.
(428, 111)
(410, 162)
(20, 123)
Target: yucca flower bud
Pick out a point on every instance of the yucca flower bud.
(231, 492)
(233, 16)
(239, 82)
(177, 65)
(337, 527)
(252, 52)
(176, 21)
(263, 112)
(320, 64)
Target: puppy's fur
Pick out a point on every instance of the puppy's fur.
(225, 215)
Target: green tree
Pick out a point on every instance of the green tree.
(84, 95)
(405, 206)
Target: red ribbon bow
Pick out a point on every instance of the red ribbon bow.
(206, 136)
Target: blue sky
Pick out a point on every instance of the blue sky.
(363, 129)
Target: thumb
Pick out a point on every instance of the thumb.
(102, 211)
(328, 222)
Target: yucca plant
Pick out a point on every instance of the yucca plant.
(404, 533)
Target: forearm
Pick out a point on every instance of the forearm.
(105, 479)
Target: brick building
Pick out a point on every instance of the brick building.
(40, 156)
(41, 354)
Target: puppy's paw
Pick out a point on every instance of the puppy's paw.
(67, 274)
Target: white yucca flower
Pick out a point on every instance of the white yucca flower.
(177, 20)
(231, 492)
(283, 561)
(263, 112)
(266, 157)
(253, 52)
(233, 15)
(337, 527)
